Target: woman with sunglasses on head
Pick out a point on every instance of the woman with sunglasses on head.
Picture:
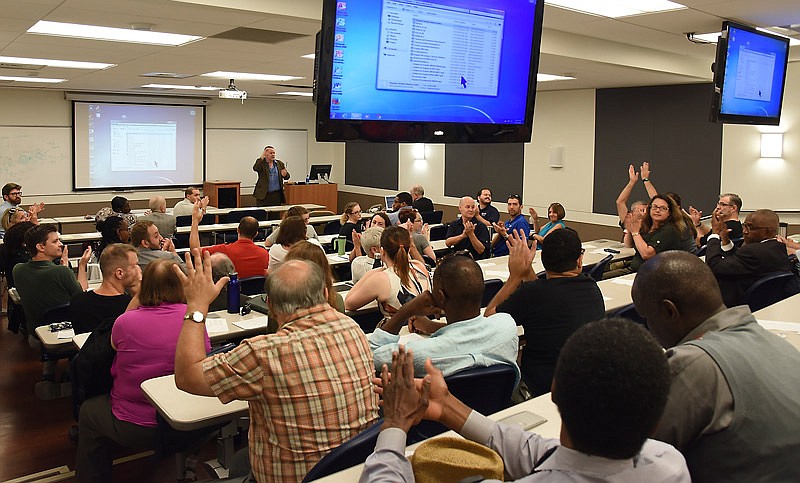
(399, 280)
(658, 230)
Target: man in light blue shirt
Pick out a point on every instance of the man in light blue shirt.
(467, 340)
(516, 223)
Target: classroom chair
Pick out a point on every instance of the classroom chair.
(432, 217)
(490, 289)
(438, 232)
(769, 289)
(236, 216)
(596, 271)
(629, 312)
(181, 240)
(252, 285)
(351, 453)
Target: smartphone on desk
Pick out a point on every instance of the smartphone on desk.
(610, 250)
(525, 420)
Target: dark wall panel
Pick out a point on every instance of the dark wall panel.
(666, 126)
(371, 165)
(469, 167)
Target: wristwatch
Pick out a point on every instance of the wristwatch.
(195, 316)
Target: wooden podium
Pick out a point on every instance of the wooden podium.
(222, 194)
(321, 194)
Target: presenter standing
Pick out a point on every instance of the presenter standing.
(271, 173)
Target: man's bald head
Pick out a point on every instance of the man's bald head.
(760, 225)
(675, 292)
(296, 284)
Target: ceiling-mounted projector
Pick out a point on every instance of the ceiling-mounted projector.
(232, 92)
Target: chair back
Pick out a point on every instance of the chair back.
(432, 217)
(768, 289)
(490, 289)
(252, 285)
(237, 215)
(701, 252)
(629, 312)
(484, 389)
(596, 271)
(332, 227)
(438, 232)
(350, 453)
(186, 220)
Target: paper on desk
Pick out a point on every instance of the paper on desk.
(624, 281)
(66, 334)
(497, 273)
(254, 323)
(215, 325)
(601, 251)
(777, 325)
(486, 263)
(587, 246)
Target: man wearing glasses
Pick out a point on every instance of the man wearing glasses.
(728, 208)
(737, 269)
(12, 197)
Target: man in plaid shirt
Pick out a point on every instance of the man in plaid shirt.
(309, 385)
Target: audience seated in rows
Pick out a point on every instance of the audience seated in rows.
(737, 268)
(150, 245)
(657, 231)
(419, 201)
(297, 210)
(610, 386)
(351, 220)
(468, 339)
(122, 276)
(293, 230)
(549, 309)
(250, 260)
(467, 233)
(516, 223)
(119, 207)
(399, 280)
(308, 385)
(412, 220)
(12, 199)
(145, 338)
(305, 250)
(555, 215)
(159, 216)
(12, 252)
(485, 213)
(112, 230)
(735, 393)
(184, 207)
(365, 246)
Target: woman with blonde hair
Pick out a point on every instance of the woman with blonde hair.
(306, 250)
(351, 220)
(401, 278)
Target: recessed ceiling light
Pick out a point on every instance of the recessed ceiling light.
(618, 8)
(308, 56)
(42, 80)
(552, 77)
(295, 93)
(250, 76)
(68, 64)
(95, 32)
(185, 88)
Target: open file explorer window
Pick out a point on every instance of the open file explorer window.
(427, 47)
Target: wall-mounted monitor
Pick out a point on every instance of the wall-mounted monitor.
(427, 70)
(749, 76)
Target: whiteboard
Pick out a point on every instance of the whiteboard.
(230, 153)
(38, 158)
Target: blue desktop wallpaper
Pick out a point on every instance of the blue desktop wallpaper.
(763, 60)
(354, 74)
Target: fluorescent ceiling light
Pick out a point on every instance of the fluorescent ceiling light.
(308, 56)
(616, 8)
(250, 76)
(42, 80)
(109, 33)
(185, 88)
(552, 77)
(294, 93)
(713, 37)
(68, 64)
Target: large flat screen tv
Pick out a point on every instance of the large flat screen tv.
(444, 71)
(749, 76)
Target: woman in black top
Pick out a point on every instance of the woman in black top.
(351, 220)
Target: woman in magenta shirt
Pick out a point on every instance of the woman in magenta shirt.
(145, 338)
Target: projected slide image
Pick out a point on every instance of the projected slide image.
(141, 146)
(754, 75)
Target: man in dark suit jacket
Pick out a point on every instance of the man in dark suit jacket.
(737, 269)
(271, 173)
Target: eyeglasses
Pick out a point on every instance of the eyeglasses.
(750, 227)
(723, 204)
(15, 193)
(459, 253)
(659, 208)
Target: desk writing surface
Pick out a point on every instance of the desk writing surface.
(541, 405)
(184, 411)
(782, 318)
(51, 340)
(617, 291)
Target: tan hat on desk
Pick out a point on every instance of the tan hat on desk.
(447, 459)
